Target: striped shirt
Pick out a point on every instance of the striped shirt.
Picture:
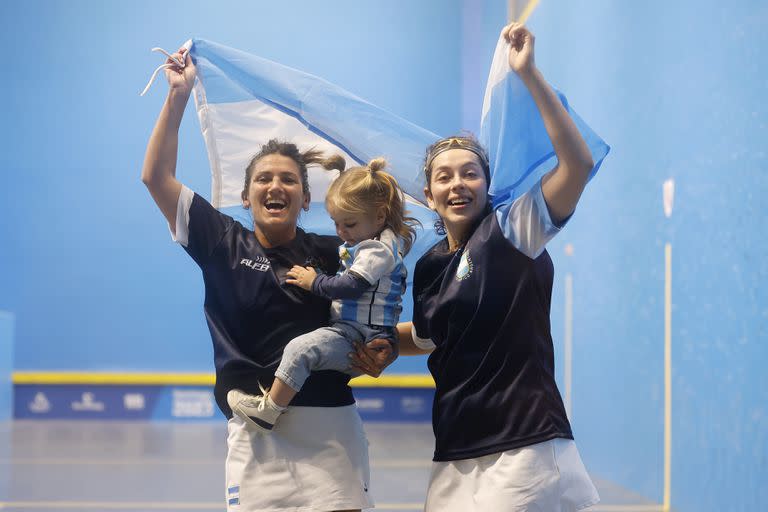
(380, 262)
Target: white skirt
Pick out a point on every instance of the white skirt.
(544, 477)
(316, 458)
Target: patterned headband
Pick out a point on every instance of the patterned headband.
(458, 143)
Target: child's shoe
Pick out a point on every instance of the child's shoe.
(258, 412)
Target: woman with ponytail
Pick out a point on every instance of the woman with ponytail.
(253, 312)
(366, 204)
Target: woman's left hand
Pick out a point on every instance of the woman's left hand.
(371, 358)
(303, 277)
(521, 39)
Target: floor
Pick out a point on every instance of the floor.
(140, 466)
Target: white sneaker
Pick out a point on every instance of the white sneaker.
(258, 413)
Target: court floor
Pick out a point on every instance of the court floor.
(107, 466)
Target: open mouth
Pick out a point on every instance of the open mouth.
(274, 205)
(461, 201)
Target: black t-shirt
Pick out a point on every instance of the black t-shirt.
(251, 312)
(486, 308)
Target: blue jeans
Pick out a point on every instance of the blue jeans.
(326, 348)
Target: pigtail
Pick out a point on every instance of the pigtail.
(376, 165)
(397, 216)
(365, 189)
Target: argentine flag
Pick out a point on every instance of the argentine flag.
(243, 101)
(512, 130)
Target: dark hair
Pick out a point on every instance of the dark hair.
(290, 150)
(467, 142)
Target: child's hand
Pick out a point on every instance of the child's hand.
(303, 277)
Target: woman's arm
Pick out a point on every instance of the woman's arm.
(562, 186)
(407, 346)
(159, 171)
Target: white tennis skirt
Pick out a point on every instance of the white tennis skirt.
(316, 458)
(544, 477)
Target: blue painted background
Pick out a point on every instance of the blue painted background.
(6, 365)
(677, 89)
(87, 264)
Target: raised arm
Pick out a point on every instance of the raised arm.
(159, 171)
(562, 186)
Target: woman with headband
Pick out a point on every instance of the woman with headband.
(482, 295)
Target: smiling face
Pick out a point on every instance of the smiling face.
(457, 191)
(275, 196)
(353, 228)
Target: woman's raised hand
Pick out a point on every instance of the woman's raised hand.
(521, 39)
(181, 79)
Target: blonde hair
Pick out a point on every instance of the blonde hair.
(367, 188)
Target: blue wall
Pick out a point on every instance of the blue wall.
(678, 90)
(87, 264)
(6, 366)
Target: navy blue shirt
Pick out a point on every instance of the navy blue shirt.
(251, 312)
(486, 309)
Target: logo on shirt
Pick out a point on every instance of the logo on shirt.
(465, 267)
(259, 263)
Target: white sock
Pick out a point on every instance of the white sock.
(271, 404)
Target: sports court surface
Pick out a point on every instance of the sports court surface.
(140, 466)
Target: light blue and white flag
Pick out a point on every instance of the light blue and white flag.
(512, 130)
(243, 101)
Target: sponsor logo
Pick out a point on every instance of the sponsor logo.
(259, 263)
(40, 404)
(465, 267)
(370, 404)
(133, 401)
(190, 403)
(87, 403)
(412, 404)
